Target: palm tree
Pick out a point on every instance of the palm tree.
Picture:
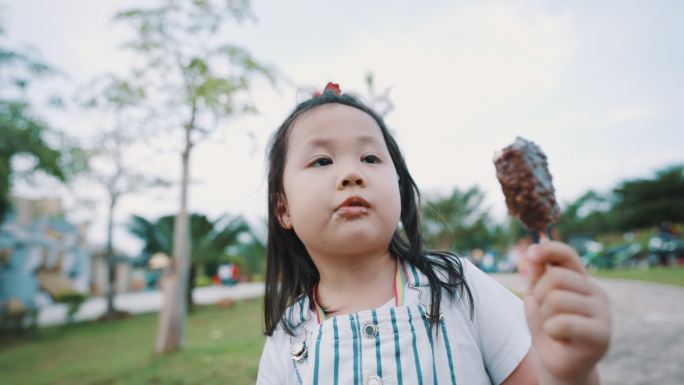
(456, 221)
(209, 239)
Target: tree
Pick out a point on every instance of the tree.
(209, 239)
(648, 202)
(23, 132)
(457, 221)
(116, 102)
(193, 81)
(250, 255)
(589, 214)
(503, 235)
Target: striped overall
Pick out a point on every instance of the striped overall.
(395, 343)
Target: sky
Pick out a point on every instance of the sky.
(598, 85)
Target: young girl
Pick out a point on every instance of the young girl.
(352, 296)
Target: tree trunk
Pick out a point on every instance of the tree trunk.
(111, 265)
(5, 180)
(191, 287)
(172, 317)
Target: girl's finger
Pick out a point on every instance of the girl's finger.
(555, 253)
(576, 328)
(563, 301)
(534, 320)
(563, 279)
(534, 272)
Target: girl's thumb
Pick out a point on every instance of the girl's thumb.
(534, 322)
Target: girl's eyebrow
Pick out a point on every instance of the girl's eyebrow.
(329, 142)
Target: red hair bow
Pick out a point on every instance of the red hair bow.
(332, 87)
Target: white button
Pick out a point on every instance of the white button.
(370, 330)
(373, 380)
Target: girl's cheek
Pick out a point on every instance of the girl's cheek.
(394, 200)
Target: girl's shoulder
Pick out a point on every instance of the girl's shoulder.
(477, 291)
(275, 364)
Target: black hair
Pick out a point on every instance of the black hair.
(290, 271)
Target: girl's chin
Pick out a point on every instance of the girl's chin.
(358, 240)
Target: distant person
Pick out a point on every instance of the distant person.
(516, 253)
(667, 231)
(353, 298)
(664, 245)
(235, 274)
(225, 273)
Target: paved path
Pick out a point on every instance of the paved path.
(648, 332)
(146, 302)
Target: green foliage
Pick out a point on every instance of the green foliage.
(590, 214)
(506, 234)
(633, 204)
(456, 221)
(202, 281)
(72, 299)
(19, 69)
(250, 256)
(187, 66)
(649, 202)
(110, 92)
(23, 133)
(17, 319)
(210, 240)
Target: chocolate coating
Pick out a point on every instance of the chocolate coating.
(523, 172)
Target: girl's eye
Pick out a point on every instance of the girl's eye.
(370, 159)
(320, 162)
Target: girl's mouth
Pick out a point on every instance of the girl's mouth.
(352, 207)
(351, 211)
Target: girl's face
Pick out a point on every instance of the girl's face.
(341, 187)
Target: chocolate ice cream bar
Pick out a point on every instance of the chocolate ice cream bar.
(525, 180)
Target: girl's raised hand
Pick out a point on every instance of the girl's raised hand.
(568, 315)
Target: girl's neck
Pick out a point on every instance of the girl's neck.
(351, 284)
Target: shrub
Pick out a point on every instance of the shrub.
(72, 299)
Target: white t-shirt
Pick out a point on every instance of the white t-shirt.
(395, 345)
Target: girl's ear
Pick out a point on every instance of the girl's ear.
(283, 214)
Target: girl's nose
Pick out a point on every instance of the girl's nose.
(352, 179)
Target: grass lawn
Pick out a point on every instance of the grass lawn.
(665, 275)
(223, 347)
